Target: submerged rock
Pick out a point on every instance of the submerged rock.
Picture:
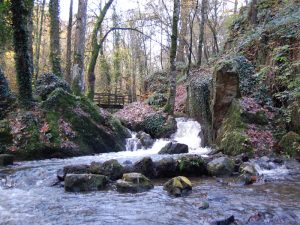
(174, 148)
(134, 183)
(228, 221)
(6, 160)
(85, 182)
(178, 186)
(222, 166)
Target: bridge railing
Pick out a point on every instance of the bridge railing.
(109, 100)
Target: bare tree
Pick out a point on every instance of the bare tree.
(78, 64)
(69, 45)
(55, 53)
(39, 39)
(201, 34)
(172, 94)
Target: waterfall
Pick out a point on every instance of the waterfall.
(188, 132)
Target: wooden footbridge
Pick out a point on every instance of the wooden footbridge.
(112, 101)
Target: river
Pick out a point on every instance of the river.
(28, 197)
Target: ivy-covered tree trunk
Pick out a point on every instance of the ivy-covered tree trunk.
(182, 45)
(55, 54)
(201, 34)
(78, 64)
(169, 108)
(252, 15)
(20, 19)
(69, 45)
(95, 51)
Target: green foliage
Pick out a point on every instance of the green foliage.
(5, 21)
(157, 99)
(291, 143)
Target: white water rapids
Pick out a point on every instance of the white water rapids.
(188, 132)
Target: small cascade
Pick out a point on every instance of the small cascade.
(188, 132)
(133, 143)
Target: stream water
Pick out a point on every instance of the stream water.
(27, 194)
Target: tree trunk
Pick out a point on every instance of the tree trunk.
(39, 39)
(201, 35)
(55, 54)
(95, 51)
(20, 19)
(69, 45)
(235, 6)
(252, 16)
(172, 94)
(78, 65)
(183, 32)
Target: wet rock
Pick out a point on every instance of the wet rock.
(112, 169)
(95, 168)
(228, 221)
(222, 166)
(145, 166)
(248, 168)
(166, 167)
(178, 186)
(72, 169)
(174, 148)
(127, 162)
(266, 218)
(6, 160)
(85, 182)
(192, 165)
(134, 183)
(146, 140)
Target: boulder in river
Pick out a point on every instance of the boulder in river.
(222, 166)
(113, 169)
(6, 159)
(145, 166)
(146, 140)
(174, 148)
(134, 183)
(178, 186)
(72, 169)
(192, 165)
(166, 167)
(85, 182)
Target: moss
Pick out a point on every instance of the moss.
(53, 133)
(192, 165)
(232, 138)
(290, 143)
(158, 126)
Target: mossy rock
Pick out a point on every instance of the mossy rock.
(112, 169)
(85, 182)
(290, 143)
(47, 83)
(178, 186)
(93, 132)
(158, 126)
(191, 165)
(145, 166)
(232, 138)
(222, 166)
(134, 183)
